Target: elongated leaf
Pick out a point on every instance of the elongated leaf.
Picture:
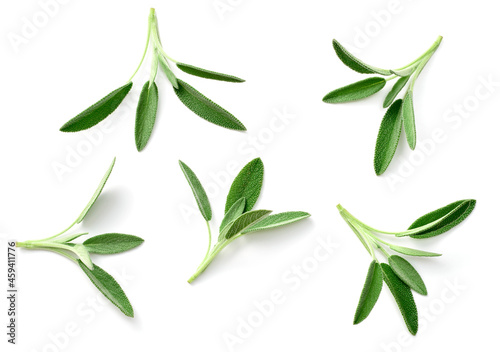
(403, 296)
(407, 273)
(111, 243)
(168, 72)
(233, 213)
(355, 91)
(146, 115)
(277, 220)
(440, 213)
(109, 288)
(451, 215)
(248, 184)
(198, 191)
(396, 88)
(97, 193)
(370, 293)
(97, 112)
(205, 108)
(244, 221)
(413, 252)
(388, 138)
(409, 120)
(201, 72)
(354, 63)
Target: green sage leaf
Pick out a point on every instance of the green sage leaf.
(370, 293)
(413, 252)
(109, 288)
(388, 137)
(354, 63)
(233, 213)
(451, 215)
(409, 120)
(403, 296)
(407, 273)
(198, 191)
(97, 112)
(244, 221)
(205, 108)
(97, 193)
(111, 243)
(168, 72)
(277, 220)
(201, 72)
(396, 88)
(248, 184)
(146, 114)
(355, 91)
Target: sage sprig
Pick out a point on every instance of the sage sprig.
(399, 275)
(239, 218)
(80, 253)
(148, 101)
(401, 112)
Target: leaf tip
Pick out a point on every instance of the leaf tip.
(129, 312)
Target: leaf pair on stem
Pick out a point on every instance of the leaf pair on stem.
(400, 113)
(109, 243)
(399, 275)
(148, 100)
(239, 218)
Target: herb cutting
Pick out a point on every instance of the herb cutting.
(239, 218)
(79, 253)
(148, 100)
(400, 113)
(399, 275)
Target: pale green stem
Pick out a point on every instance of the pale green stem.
(382, 250)
(151, 18)
(58, 234)
(357, 231)
(366, 227)
(61, 252)
(368, 241)
(419, 70)
(376, 239)
(206, 262)
(157, 43)
(397, 234)
(209, 241)
(433, 48)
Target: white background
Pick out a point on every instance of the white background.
(322, 157)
